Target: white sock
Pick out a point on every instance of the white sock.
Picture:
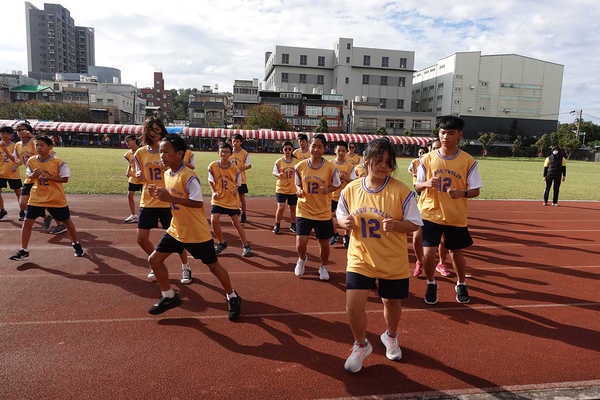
(429, 283)
(232, 295)
(169, 293)
(25, 250)
(461, 283)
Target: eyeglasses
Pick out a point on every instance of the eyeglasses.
(23, 130)
(351, 148)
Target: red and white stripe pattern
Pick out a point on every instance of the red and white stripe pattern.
(260, 134)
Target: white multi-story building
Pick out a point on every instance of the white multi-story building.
(373, 75)
(245, 96)
(491, 92)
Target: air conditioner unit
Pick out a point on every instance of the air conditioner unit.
(472, 87)
(470, 108)
(507, 110)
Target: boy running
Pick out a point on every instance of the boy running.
(224, 179)
(302, 152)
(315, 180)
(134, 184)
(346, 172)
(446, 179)
(285, 190)
(188, 229)
(9, 170)
(48, 174)
(241, 159)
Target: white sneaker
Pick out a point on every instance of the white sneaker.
(354, 362)
(186, 275)
(392, 350)
(131, 219)
(151, 275)
(299, 270)
(323, 273)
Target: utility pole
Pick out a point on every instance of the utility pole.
(578, 122)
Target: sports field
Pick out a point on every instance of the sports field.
(102, 171)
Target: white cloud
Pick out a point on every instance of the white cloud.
(197, 43)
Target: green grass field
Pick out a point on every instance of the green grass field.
(102, 171)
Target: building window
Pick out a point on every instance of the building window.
(367, 60)
(403, 63)
(320, 79)
(369, 123)
(485, 96)
(394, 123)
(331, 111)
(458, 76)
(347, 60)
(284, 77)
(510, 85)
(285, 58)
(532, 87)
(347, 80)
(440, 85)
(384, 81)
(365, 80)
(385, 62)
(151, 103)
(401, 81)
(321, 61)
(421, 124)
(484, 83)
(303, 60)
(400, 104)
(482, 108)
(382, 103)
(164, 96)
(457, 89)
(314, 110)
(302, 78)
(456, 101)
(157, 90)
(348, 46)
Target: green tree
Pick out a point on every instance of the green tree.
(543, 144)
(435, 133)
(263, 116)
(381, 131)
(34, 109)
(407, 133)
(516, 147)
(566, 138)
(487, 139)
(322, 128)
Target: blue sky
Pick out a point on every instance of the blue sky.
(200, 42)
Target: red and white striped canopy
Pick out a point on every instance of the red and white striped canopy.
(259, 134)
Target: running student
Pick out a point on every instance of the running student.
(285, 190)
(241, 159)
(417, 239)
(134, 185)
(446, 179)
(315, 180)
(48, 174)
(441, 267)
(9, 170)
(224, 179)
(302, 152)
(352, 156)
(188, 230)
(150, 170)
(346, 172)
(379, 211)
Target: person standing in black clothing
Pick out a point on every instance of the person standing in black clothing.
(554, 167)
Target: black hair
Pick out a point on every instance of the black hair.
(288, 143)
(176, 141)
(148, 124)
(225, 145)
(342, 143)
(7, 129)
(46, 139)
(134, 137)
(26, 124)
(319, 136)
(374, 152)
(238, 137)
(303, 136)
(452, 122)
(425, 149)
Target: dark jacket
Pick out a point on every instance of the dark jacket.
(555, 168)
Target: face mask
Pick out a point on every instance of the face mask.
(555, 153)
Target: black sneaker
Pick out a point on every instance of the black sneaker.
(243, 219)
(22, 215)
(234, 305)
(246, 251)
(164, 304)
(47, 222)
(293, 228)
(3, 214)
(462, 295)
(431, 294)
(276, 229)
(220, 247)
(346, 240)
(58, 229)
(334, 239)
(78, 250)
(21, 255)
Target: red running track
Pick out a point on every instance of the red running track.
(78, 327)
